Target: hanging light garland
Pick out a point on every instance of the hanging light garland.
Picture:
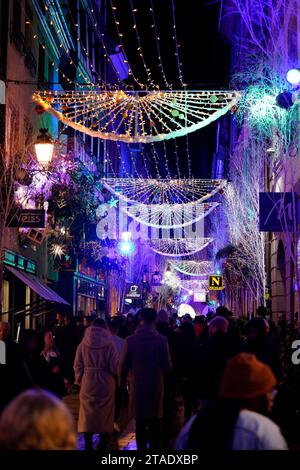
(179, 246)
(193, 268)
(163, 191)
(139, 49)
(157, 40)
(146, 117)
(169, 215)
(177, 46)
(121, 45)
(194, 285)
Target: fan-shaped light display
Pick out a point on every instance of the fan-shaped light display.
(193, 268)
(179, 246)
(169, 215)
(163, 191)
(195, 285)
(136, 116)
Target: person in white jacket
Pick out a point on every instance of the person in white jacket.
(237, 421)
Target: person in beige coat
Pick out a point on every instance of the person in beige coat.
(95, 365)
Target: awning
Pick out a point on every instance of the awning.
(37, 286)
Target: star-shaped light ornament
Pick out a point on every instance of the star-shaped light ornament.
(113, 202)
(58, 250)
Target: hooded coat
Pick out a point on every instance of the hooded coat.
(146, 356)
(95, 365)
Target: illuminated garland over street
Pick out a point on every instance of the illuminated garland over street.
(163, 191)
(194, 285)
(193, 268)
(179, 246)
(169, 215)
(134, 116)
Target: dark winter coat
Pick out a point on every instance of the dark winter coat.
(146, 356)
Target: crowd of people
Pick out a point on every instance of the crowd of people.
(225, 371)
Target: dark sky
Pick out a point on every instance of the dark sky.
(204, 58)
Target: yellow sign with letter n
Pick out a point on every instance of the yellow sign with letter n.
(216, 282)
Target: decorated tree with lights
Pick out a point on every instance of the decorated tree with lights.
(245, 261)
(270, 128)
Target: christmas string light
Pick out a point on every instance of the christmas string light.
(156, 159)
(194, 285)
(163, 191)
(169, 216)
(179, 246)
(139, 49)
(188, 156)
(145, 162)
(176, 44)
(36, 37)
(157, 39)
(106, 55)
(177, 159)
(121, 46)
(150, 117)
(193, 268)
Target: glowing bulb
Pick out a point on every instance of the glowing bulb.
(293, 76)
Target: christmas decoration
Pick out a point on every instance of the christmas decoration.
(169, 215)
(113, 202)
(148, 116)
(193, 268)
(163, 191)
(179, 246)
(57, 250)
(195, 285)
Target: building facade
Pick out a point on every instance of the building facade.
(55, 45)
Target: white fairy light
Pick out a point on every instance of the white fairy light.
(179, 246)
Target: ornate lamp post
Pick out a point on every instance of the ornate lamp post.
(44, 147)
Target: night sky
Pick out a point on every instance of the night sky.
(203, 54)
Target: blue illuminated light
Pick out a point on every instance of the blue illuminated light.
(126, 248)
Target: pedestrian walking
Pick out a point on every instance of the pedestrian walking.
(146, 357)
(95, 367)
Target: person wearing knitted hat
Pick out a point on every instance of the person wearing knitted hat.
(236, 420)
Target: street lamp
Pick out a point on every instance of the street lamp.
(44, 147)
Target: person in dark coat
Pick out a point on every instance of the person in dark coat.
(258, 343)
(212, 359)
(51, 377)
(13, 374)
(183, 349)
(66, 340)
(146, 356)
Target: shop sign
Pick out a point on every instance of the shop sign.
(276, 212)
(216, 282)
(133, 292)
(27, 218)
